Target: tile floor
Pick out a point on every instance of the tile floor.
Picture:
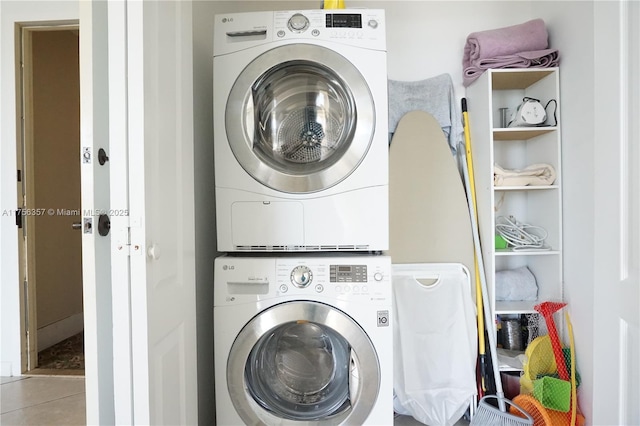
(42, 400)
(59, 400)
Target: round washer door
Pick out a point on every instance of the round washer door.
(300, 118)
(303, 362)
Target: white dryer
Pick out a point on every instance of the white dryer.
(303, 340)
(301, 131)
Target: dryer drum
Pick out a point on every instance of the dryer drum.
(303, 114)
(304, 140)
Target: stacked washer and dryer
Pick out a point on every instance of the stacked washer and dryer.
(302, 298)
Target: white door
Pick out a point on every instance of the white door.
(150, 211)
(617, 234)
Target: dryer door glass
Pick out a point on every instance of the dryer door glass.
(304, 117)
(300, 118)
(300, 371)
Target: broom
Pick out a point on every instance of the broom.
(486, 413)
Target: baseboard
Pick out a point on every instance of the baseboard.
(6, 369)
(60, 330)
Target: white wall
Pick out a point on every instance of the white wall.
(10, 13)
(567, 22)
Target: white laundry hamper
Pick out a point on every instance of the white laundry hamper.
(435, 342)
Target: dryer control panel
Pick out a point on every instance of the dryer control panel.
(357, 26)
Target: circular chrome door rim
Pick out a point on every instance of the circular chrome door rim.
(365, 358)
(239, 116)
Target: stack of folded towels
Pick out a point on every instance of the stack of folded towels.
(519, 46)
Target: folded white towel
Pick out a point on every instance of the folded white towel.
(535, 174)
(516, 284)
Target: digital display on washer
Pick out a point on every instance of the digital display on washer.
(344, 20)
(348, 273)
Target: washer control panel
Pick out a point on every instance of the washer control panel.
(344, 278)
(334, 277)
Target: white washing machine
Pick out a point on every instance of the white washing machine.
(303, 340)
(301, 131)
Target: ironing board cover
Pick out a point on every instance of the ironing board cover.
(428, 212)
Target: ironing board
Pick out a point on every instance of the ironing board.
(429, 234)
(428, 212)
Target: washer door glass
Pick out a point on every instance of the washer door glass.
(300, 118)
(300, 371)
(303, 361)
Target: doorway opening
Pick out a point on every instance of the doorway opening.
(49, 213)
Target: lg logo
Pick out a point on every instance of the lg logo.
(228, 267)
(225, 20)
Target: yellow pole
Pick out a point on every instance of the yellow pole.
(472, 187)
(333, 4)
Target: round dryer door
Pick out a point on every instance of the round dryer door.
(303, 362)
(300, 118)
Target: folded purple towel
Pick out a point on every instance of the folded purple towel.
(531, 35)
(539, 58)
(535, 59)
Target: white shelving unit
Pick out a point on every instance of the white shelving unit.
(517, 148)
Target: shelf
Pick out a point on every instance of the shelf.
(525, 188)
(510, 369)
(521, 133)
(516, 308)
(516, 148)
(511, 79)
(511, 252)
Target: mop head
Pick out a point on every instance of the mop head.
(488, 415)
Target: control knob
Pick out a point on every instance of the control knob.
(301, 276)
(298, 23)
